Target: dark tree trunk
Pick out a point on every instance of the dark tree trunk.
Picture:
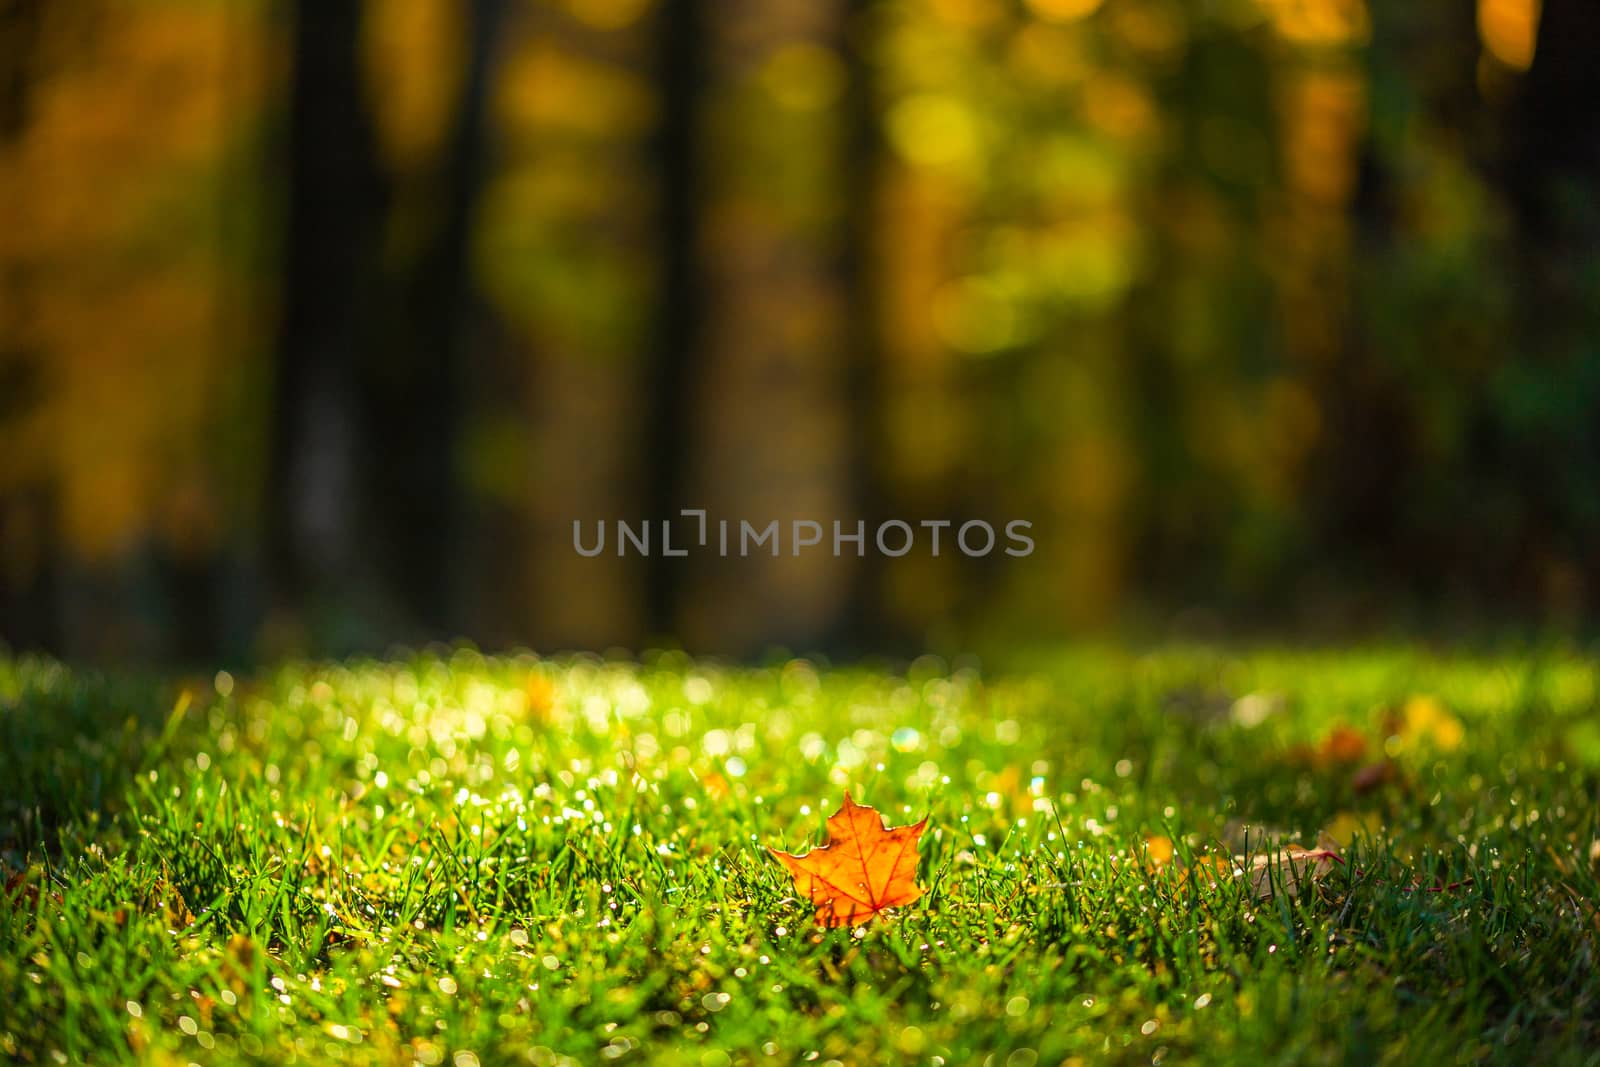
(673, 375)
(1551, 171)
(417, 383)
(19, 29)
(29, 548)
(865, 624)
(1554, 134)
(333, 209)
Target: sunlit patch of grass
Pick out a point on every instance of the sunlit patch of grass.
(459, 859)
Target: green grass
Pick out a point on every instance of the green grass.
(453, 859)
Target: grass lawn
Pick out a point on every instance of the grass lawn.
(459, 860)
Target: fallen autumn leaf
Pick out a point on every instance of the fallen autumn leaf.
(865, 868)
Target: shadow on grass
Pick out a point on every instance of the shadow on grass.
(74, 740)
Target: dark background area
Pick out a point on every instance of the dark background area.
(321, 322)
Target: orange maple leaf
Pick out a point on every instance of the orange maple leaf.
(864, 868)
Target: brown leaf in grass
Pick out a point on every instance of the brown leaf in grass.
(22, 888)
(1343, 744)
(1292, 870)
(1372, 776)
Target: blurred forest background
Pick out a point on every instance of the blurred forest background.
(321, 321)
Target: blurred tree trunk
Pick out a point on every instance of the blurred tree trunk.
(771, 365)
(29, 556)
(19, 29)
(863, 624)
(671, 385)
(1551, 169)
(334, 204)
(1554, 131)
(416, 383)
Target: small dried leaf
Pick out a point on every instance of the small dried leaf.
(1159, 849)
(1292, 870)
(1344, 744)
(1372, 776)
